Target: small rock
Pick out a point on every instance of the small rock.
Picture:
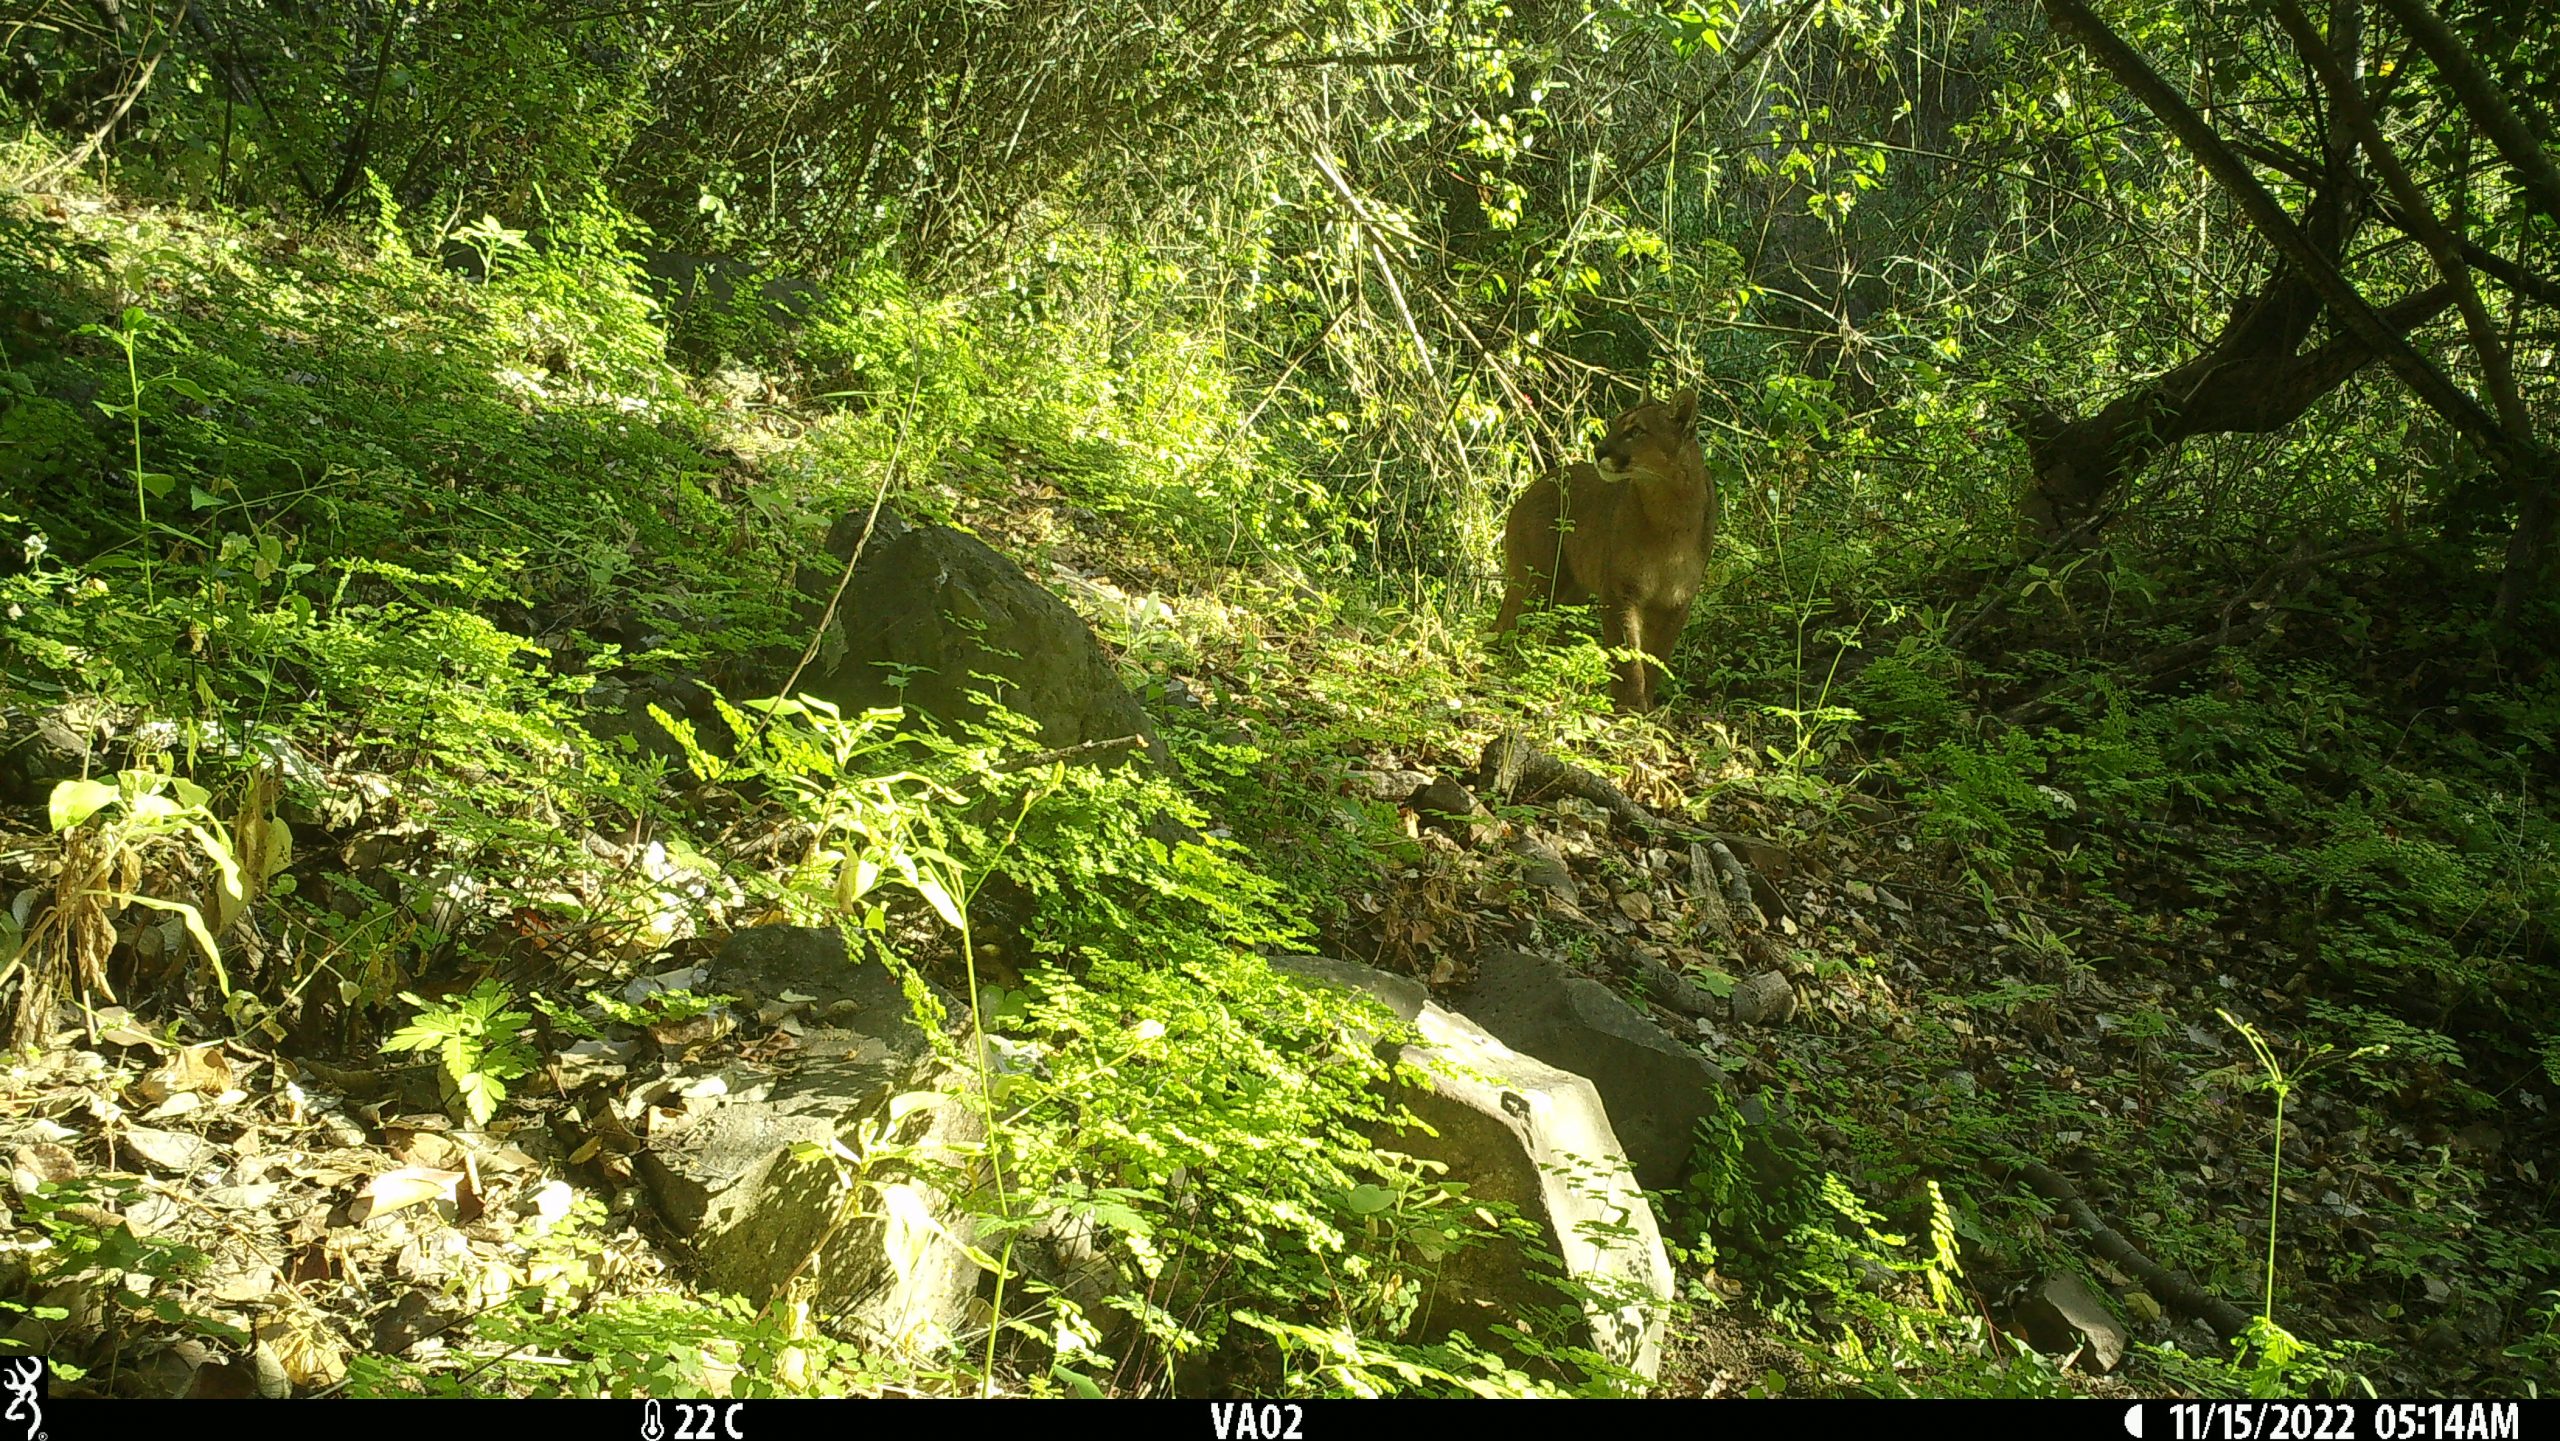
(2066, 1313)
(1542, 866)
(687, 978)
(1389, 785)
(53, 747)
(1767, 999)
(549, 1204)
(224, 1381)
(1445, 804)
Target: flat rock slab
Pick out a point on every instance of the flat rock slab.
(1655, 1086)
(1514, 1129)
(725, 1178)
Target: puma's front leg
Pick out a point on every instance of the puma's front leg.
(1662, 627)
(1622, 628)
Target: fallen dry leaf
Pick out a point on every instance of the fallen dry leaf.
(310, 1356)
(171, 1150)
(311, 1264)
(40, 1163)
(402, 1188)
(151, 1215)
(201, 1070)
(239, 1288)
(247, 1197)
(116, 1026)
(431, 1150)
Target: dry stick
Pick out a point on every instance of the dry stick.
(2477, 91)
(1739, 56)
(2417, 214)
(1737, 885)
(98, 137)
(826, 618)
(2174, 1287)
(2025, 906)
(1074, 752)
(2347, 306)
(1369, 229)
(1511, 765)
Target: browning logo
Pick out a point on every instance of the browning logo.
(24, 1378)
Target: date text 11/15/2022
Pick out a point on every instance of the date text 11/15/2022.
(2340, 1421)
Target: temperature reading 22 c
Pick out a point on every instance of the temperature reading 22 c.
(695, 1421)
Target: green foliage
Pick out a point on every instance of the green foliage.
(1867, 1317)
(2268, 1363)
(633, 1347)
(654, 1009)
(1157, 1080)
(2539, 1351)
(1044, 385)
(473, 105)
(88, 1250)
(478, 1041)
(286, 507)
(112, 846)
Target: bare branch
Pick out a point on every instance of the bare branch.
(2478, 92)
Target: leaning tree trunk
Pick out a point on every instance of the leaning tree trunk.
(2254, 379)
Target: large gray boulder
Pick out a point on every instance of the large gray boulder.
(940, 609)
(723, 1173)
(1515, 1130)
(1655, 1086)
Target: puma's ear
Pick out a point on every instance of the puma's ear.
(1684, 411)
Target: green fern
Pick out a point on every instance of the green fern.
(478, 1040)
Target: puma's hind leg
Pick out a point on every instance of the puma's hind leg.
(1531, 553)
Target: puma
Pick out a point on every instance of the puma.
(1628, 529)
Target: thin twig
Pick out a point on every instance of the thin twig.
(98, 137)
(1075, 752)
(826, 618)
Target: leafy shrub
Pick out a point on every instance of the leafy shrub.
(478, 1042)
(1213, 1119)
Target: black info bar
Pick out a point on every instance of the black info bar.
(677, 1419)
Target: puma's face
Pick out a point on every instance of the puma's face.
(1652, 439)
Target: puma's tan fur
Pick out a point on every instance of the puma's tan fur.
(1630, 533)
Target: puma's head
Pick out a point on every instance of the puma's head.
(1658, 438)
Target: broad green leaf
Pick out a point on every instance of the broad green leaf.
(77, 800)
(219, 852)
(195, 927)
(941, 901)
(151, 808)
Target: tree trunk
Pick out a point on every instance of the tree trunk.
(2254, 379)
